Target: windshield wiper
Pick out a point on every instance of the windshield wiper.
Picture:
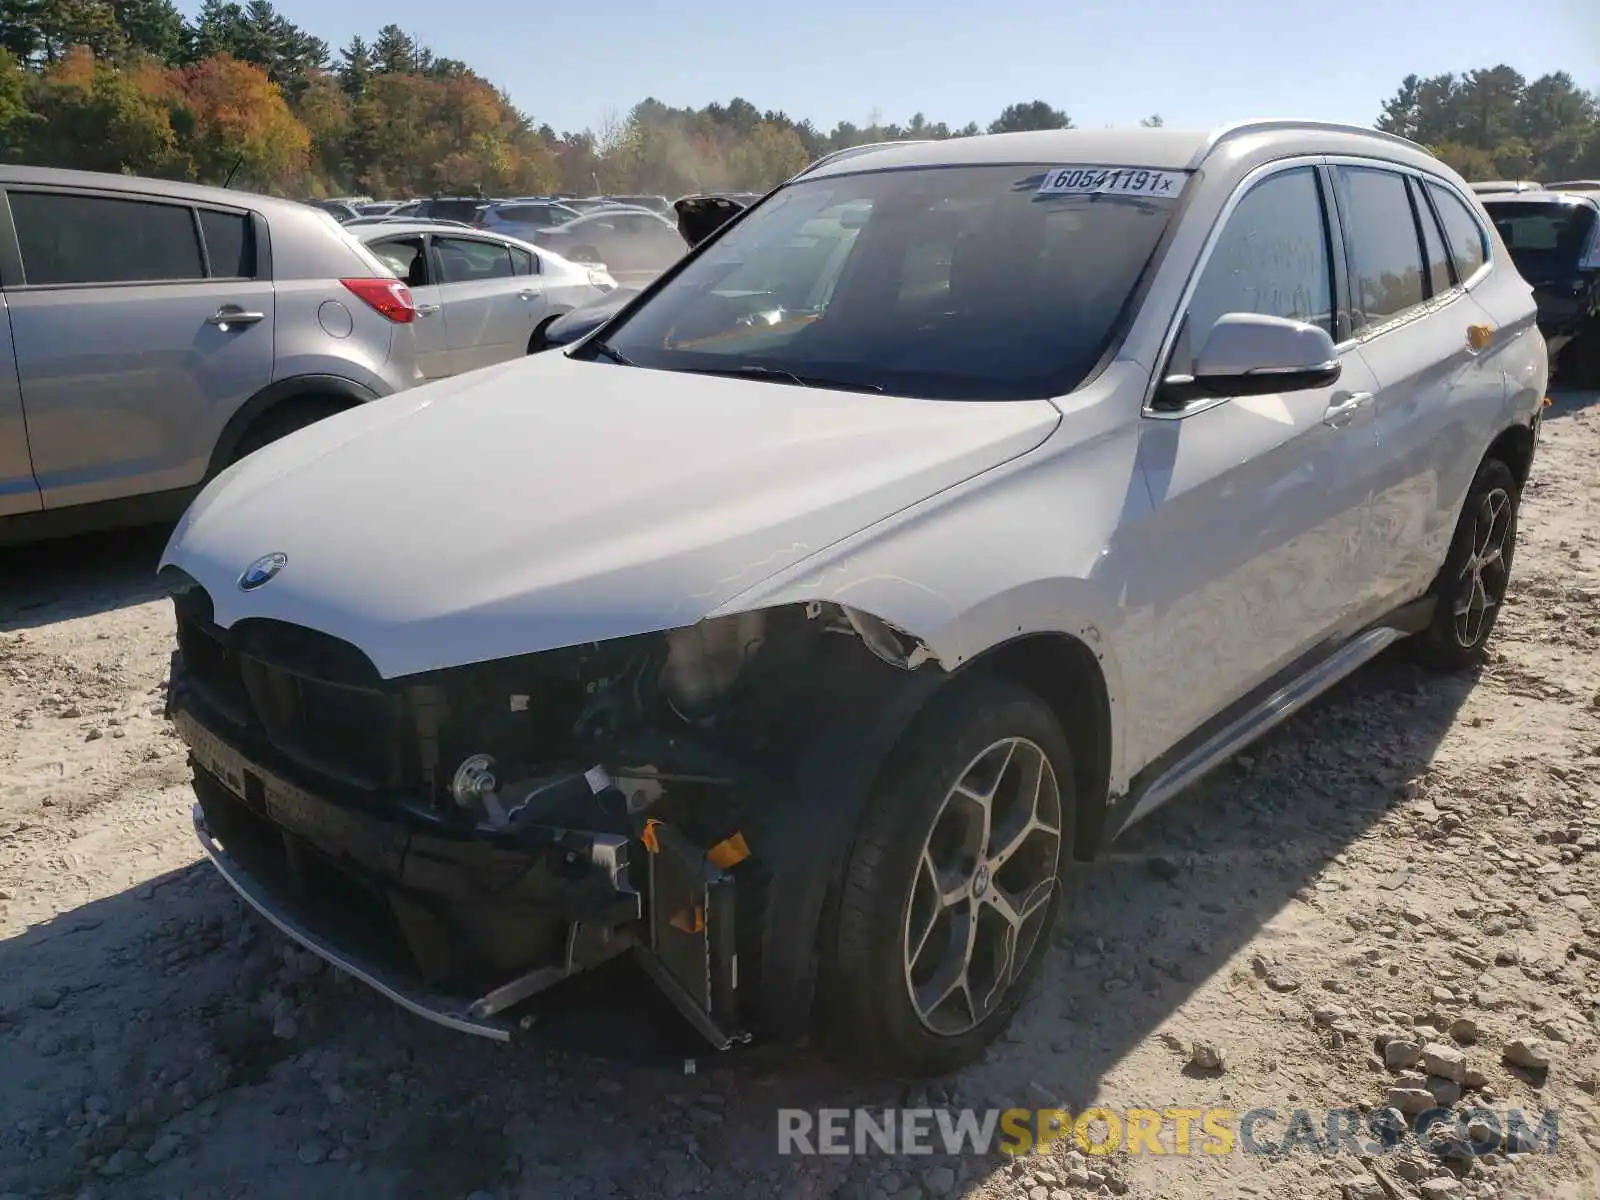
(606, 351)
(774, 374)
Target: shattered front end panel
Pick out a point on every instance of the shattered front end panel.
(692, 949)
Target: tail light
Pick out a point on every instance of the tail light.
(389, 297)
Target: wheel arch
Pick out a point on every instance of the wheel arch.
(1514, 447)
(813, 824)
(538, 339)
(342, 393)
(1065, 673)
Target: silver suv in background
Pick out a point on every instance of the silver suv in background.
(156, 332)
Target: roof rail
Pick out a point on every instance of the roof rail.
(1273, 124)
(852, 151)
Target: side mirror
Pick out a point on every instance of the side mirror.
(1251, 354)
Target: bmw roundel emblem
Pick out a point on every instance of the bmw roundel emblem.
(262, 571)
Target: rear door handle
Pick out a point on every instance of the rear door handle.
(230, 314)
(527, 294)
(427, 310)
(1337, 415)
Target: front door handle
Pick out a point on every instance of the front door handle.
(232, 314)
(427, 310)
(527, 294)
(1342, 413)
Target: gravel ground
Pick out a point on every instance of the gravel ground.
(1388, 900)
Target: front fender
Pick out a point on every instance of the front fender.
(994, 559)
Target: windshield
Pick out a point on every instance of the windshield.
(1544, 237)
(959, 283)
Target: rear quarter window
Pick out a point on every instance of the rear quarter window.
(1469, 245)
(230, 244)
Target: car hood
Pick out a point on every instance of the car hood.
(550, 502)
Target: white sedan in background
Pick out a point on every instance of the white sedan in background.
(481, 297)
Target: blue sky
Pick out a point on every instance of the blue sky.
(1107, 62)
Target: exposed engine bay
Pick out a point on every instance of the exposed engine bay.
(465, 839)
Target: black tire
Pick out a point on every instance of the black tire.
(866, 968)
(1457, 641)
(280, 422)
(586, 254)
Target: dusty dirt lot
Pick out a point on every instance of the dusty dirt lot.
(1412, 852)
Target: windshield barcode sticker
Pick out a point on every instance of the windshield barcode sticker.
(1116, 181)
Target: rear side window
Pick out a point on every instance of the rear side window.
(1438, 261)
(467, 260)
(454, 210)
(524, 262)
(1385, 257)
(230, 244)
(97, 239)
(1465, 236)
(1271, 258)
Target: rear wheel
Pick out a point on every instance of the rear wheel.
(1472, 585)
(952, 883)
(281, 421)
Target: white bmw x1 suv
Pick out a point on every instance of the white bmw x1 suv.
(784, 643)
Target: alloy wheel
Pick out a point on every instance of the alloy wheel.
(1481, 585)
(982, 890)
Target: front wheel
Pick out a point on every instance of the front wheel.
(952, 883)
(1472, 585)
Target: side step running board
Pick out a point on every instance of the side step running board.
(1272, 711)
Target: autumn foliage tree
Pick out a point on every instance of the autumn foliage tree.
(239, 91)
(238, 123)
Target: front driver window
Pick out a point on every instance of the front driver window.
(1272, 258)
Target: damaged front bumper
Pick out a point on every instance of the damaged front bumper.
(385, 901)
(444, 1010)
(655, 818)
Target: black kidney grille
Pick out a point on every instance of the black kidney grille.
(354, 733)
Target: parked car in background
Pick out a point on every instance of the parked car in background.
(699, 217)
(656, 204)
(586, 204)
(1574, 185)
(790, 644)
(377, 208)
(1496, 187)
(452, 208)
(340, 210)
(481, 297)
(1554, 240)
(160, 331)
(358, 222)
(524, 219)
(624, 239)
